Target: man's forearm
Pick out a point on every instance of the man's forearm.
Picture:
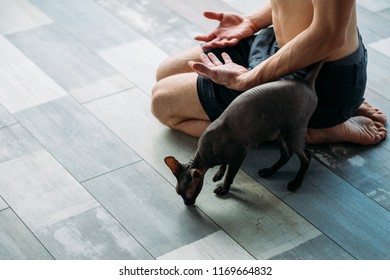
(300, 52)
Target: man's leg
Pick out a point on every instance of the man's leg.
(175, 100)
(178, 63)
(176, 104)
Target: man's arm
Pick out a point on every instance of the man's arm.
(326, 33)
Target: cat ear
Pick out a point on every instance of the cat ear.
(174, 165)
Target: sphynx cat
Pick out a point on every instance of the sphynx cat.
(275, 111)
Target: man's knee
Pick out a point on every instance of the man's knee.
(159, 104)
(157, 101)
(164, 69)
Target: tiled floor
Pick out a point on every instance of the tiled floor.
(81, 157)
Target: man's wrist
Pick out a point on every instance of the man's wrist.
(244, 82)
(252, 25)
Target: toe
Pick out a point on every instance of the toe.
(369, 111)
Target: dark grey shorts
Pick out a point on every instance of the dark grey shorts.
(340, 85)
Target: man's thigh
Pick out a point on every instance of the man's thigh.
(178, 63)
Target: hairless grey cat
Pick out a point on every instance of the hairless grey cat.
(278, 110)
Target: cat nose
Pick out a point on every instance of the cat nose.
(189, 202)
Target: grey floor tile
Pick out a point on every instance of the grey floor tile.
(319, 248)
(131, 61)
(22, 83)
(101, 88)
(194, 14)
(366, 168)
(155, 22)
(67, 61)
(382, 46)
(368, 35)
(142, 202)
(3, 204)
(246, 6)
(369, 21)
(76, 139)
(18, 15)
(6, 118)
(374, 6)
(216, 246)
(89, 22)
(385, 14)
(16, 142)
(347, 216)
(371, 26)
(91, 235)
(153, 141)
(378, 72)
(41, 191)
(17, 242)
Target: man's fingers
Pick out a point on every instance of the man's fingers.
(232, 42)
(211, 60)
(220, 43)
(206, 60)
(226, 58)
(205, 38)
(200, 68)
(214, 59)
(213, 15)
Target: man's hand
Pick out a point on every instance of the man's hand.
(229, 74)
(231, 29)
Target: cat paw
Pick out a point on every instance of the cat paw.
(221, 191)
(220, 173)
(294, 185)
(266, 172)
(218, 176)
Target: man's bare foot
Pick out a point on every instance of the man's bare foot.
(369, 111)
(358, 129)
